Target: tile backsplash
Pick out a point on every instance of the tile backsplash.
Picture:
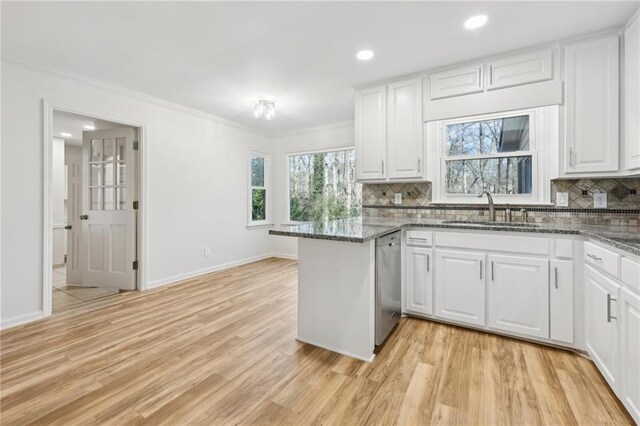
(621, 193)
(623, 203)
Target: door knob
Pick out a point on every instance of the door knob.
(67, 227)
(84, 216)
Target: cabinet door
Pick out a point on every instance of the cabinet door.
(522, 69)
(561, 300)
(371, 132)
(418, 282)
(601, 323)
(631, 95)
(519, 295)
(630, 348)
(591, 106)
(456, 82)
(460, 286)
(404, 131)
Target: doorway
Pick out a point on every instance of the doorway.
(94, 189)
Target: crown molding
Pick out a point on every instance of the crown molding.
(324, 127)
(119, 90)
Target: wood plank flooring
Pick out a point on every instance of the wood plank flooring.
(221, 349)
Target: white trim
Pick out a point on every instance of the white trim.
(332, 349)
(320, 151)
(113, 88)
(21, 319)
(267, 191)
(175, 279)
(289, 256)
(47, 218)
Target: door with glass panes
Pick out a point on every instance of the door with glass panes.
(108, 248)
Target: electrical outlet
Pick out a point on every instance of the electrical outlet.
(599, 200)
(207, 251)
(562, 199)
(397, 198)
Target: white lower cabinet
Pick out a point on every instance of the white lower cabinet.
(630, 352)
(418, 280)
(519, 295)
(460, 286)
(561, 300)
(601, 323)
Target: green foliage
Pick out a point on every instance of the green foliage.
(258, 203)
(322, 187)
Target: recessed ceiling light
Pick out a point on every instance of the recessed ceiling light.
(65, 135)
(87, 127)
(475, 22)
(365, 55)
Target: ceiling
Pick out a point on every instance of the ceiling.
(66, 122)
(220, 57)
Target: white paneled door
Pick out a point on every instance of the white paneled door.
(74, 224)
(108, 243)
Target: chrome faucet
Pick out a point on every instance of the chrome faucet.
(492, 210)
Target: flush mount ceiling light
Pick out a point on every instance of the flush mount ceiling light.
(265, 109)
(65, 134)
(88, 127)
(475, 22)
(365, 55)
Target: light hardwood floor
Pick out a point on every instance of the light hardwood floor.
(220, 349)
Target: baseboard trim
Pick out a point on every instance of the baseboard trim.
(285, 256)
(188, 275)
(21, 319)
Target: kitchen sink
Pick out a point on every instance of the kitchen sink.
(488, 223)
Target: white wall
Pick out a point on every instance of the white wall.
(58, 191)
(196, 174)
(337, 135)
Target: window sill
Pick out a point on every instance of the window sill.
(259, 225)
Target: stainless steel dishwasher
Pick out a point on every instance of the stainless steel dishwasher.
(388, 285)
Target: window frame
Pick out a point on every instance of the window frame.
(288, 187)
(267, 193)
(542, 127)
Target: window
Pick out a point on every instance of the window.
(497, 153)
(258, 190)
(322, 186)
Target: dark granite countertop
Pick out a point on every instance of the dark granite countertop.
(360, 230)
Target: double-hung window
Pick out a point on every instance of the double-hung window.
(258, 189)
(497, 153)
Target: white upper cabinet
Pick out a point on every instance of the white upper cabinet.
(456, 82)
(404, 129)
(591, 106)
(519, 295)
(371, 132)
(388, 126)
(516, 70)
(632, 96)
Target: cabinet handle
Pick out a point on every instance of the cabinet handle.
(382, 167)
(609, 300)
(570, 157)
(555, 272)
(492, 270)
(428, 266)
(419, 171)
(593, 256)
(481, 269)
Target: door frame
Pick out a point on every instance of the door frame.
(47, 217)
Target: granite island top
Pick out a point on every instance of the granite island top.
(359, 230)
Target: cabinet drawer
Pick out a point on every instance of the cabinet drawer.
(601, 258)
(630, 274)
(419, 238)
(494, 242)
